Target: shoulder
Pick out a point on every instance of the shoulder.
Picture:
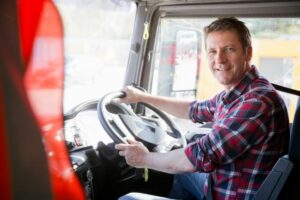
(261, 90)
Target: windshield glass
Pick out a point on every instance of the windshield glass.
(97, 38)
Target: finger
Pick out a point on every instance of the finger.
(131, 141)
(121, 146)
(122, 153)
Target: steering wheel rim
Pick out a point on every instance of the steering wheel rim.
(112, 124)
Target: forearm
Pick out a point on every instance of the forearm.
(172, 162)
(178, 108)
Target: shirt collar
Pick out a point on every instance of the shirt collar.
(238, 90)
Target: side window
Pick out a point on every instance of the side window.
(97, 36)
(187, 49)
(276, 43)
(180, 64)
(178, 57)
(178, 61)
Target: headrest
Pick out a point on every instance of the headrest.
(294, 149)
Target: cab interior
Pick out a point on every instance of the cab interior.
(167, 57)
(157, 46)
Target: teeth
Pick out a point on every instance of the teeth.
(221, 69)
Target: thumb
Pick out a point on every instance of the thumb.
(117, 100)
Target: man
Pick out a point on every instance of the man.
(250, 124)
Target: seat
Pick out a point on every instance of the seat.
(284, 179)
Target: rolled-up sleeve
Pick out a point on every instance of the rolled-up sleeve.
(202, 111)
(231, 136)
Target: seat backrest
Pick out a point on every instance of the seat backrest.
(294, 150)
(283, 180)
(292, 187)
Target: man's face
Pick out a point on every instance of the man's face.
(227, 60)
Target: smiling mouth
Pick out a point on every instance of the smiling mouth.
(222, 68)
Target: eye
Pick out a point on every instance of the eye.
(229, 49)
(212, 52)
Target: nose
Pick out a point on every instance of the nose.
(220, 57)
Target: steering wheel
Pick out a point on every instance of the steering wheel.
(120, 122)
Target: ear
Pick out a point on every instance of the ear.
(249, 54)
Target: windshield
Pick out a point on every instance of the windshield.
(97, 38)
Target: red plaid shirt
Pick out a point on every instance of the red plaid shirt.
(250, 133)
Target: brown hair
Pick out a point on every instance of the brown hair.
(230, 24)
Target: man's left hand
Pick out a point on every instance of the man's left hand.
(134, 153)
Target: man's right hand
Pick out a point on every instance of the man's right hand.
(132, 95)
(176, 107)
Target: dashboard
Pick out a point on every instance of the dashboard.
(92, 153)
(85, 130)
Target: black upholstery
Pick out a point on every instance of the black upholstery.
(292, 188)
(294, 150)
(284, 181)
